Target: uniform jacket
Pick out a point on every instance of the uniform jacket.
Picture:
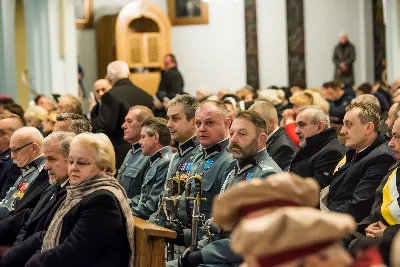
(319, 157)
(146, 203)
(281, 149)
(260, 165)
(26, 229)
(9, 173)
(93, 234)
(27, 190)
(109, 116)
(132, 171)
(356, 179)
(171, 84)
(347, 54)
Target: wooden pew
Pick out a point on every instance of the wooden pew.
(149, 243)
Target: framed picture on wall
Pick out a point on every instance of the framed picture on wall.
(188, 12)
(83, 13)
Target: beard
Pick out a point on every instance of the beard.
(238, 152)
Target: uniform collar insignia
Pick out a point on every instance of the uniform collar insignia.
(215, 149)
(245, 164)
(32, 166)
(187, 146)
(136, 147)
(156, 157)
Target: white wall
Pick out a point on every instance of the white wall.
(212, 54)
(324, 19)
(272, 43)
(392, 39)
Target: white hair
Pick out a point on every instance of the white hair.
(117, 70)
(344, 34)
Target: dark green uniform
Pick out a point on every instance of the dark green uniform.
(131, 173)
(146, 203)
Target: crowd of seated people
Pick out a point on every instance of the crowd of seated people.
(213, 168)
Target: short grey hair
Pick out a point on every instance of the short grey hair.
(79, 124)
(316, 114)
(189, 104)
(117, 70)
(63, 138)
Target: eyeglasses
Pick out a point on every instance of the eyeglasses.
(78, 163)
(14, 151)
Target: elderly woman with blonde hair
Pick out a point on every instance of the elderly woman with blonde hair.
(34, 116)
(93, 227)
(307, 97)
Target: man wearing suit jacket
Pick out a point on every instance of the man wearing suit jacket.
(22, 232)
(362, 169)
(9, 172)
(27, 154)
(279, 146)
(108, 116)
(320, 149)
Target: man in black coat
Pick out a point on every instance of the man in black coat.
(320, 149)
(9, 172)
(108, 116)
(279, 146)
(359, 173)
(23, 231)
(171, 82)
(338, 99)
(344, 56)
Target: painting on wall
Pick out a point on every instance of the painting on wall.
(188, 12)
(83, 13)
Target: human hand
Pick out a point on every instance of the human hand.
(375, 230)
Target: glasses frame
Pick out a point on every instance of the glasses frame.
(14, 151)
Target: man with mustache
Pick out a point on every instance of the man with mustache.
(212, 130)
(131, 173)
(21, 234)
(320, 149)
(248, 148)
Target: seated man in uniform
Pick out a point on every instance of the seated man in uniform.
(154, 142)
(27, 154)
(24, 230)
(181, 125)
(247, 146)
(212, 130)
(131, 173)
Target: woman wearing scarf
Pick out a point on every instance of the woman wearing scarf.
(93, 227)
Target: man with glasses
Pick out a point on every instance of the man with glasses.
(27, 154)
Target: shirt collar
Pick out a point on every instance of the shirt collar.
(187, 146)
(273, 132)
(135, 147)
(215, 149)
(248, 163)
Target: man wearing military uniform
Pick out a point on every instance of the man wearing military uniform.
(155, 140)
(212, 130)
(27, 154)
(131, 173)
(248, 147)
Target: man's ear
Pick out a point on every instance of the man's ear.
(321, 126)
(156, 138)
(227, 123)
(370, 128)
(263, 138)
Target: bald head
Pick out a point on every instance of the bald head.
(7, 128)
(26, 145)
(100, 87)
(268, 112)
(117, 70)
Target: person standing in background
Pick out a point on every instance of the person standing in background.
(344, 56)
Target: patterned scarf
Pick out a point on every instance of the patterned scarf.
(75, 194)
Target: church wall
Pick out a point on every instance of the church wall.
(214, 54)
(324, 19)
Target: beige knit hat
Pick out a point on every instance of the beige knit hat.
(260, 195)
(289, 233)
